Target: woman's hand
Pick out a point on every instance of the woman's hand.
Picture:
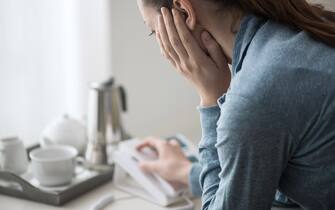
(209, 73)
(171, 163)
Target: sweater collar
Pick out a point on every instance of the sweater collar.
(250, 24)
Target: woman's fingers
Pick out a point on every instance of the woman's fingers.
(192, 47)
(148, 142)
(169, 50)
(214, 50)
(145, 144)
(174, 143)
(160, 44)
(163, 51)
(173, 34)
(156, 144)
(150, 166)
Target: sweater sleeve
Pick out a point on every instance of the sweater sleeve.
(242, 155)
(194, 180)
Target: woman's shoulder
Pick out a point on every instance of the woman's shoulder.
(278, 58)
(286, 69)
(279, 46)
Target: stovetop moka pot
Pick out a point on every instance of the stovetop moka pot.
(107, 102)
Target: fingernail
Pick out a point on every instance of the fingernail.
(163, 10)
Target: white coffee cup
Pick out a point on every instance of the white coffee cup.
(13, 156)
(54, 165)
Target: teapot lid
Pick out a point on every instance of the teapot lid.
(103, 85)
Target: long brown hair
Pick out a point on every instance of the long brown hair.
(318, 22)
(313, 19)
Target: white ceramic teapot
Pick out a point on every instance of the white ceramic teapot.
(65, 131)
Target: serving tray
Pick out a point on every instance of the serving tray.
(27, 187)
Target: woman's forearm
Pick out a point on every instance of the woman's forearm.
(209, 160)
(193, 180)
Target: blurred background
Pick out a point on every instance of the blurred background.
(50, 51)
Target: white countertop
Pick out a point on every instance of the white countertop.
(124, 201)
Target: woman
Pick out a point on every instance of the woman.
(274, 128)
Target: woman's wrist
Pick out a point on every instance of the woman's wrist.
(208, 102)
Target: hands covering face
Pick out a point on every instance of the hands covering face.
(208, 72)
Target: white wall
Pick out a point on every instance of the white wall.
(49, 52)
(93, 22)
(161, 102)
(330, 4)
(32, 58)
